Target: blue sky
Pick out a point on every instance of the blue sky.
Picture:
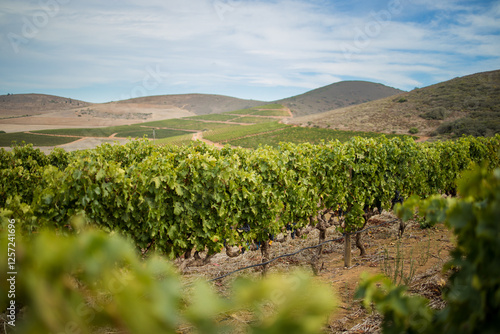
(265, 50)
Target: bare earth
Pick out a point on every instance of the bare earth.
(97, 115)
(92, 116)
(425, 251)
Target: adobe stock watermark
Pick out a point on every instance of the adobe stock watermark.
(364, 35)
(32, 25)
(222, 7)
(152, 79)
(11, 274)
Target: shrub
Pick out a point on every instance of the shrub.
(438, 113)
(413, 130)
(477, 124)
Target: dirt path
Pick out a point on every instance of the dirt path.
(80, 142)
(422, 139)
(199, 136)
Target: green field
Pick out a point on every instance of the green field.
(148, 132)
(177, 140)
(85, 132)
(224, 134)
(254, 120)
(213, 117)
(271, 113)
(301, 135)
(240, 112)
(270, 106)
(187, 124)
(134, 131)
(255, 111)
(6, 139)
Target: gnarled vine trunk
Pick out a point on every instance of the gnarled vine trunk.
(322, 225)
(359, 237)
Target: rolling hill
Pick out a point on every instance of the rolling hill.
(337, 95)
(465, 105)
(199, 104)
(27, 112)
(16, 105)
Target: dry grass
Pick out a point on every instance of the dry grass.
(427, 248)
(397, 114)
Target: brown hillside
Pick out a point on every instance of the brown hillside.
(200, 104)
(337, 95)
(465, 101)
(34, 104)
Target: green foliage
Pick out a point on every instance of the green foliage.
(8, 139)
(134, 131)
(89, 281)
(175, 200)
(473, 292)
(413, 131)
(225, 134)
(183, 140)
(254, 120)
(270, 106)
(303, 135)
(21, 171)
(396, 270)
(477, 124)
(213, 117)
(402, 313)
(438, 113)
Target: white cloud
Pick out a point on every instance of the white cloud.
(282, 43)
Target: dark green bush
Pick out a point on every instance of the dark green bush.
(438, 113)
(477, 124)
(413, 130)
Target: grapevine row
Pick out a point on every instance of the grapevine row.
(176, 200)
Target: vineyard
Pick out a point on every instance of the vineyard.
(174, 200)
(193, 202)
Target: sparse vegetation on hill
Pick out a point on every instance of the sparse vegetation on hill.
(200, 104)
(337, 95)
(466, 105)
(17, 105)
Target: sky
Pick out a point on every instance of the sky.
(101, 51)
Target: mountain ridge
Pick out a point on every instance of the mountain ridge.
(337, 95)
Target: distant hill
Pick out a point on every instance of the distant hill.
(465, 105)
(13, 105)
(337, 95)
(200, 104)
